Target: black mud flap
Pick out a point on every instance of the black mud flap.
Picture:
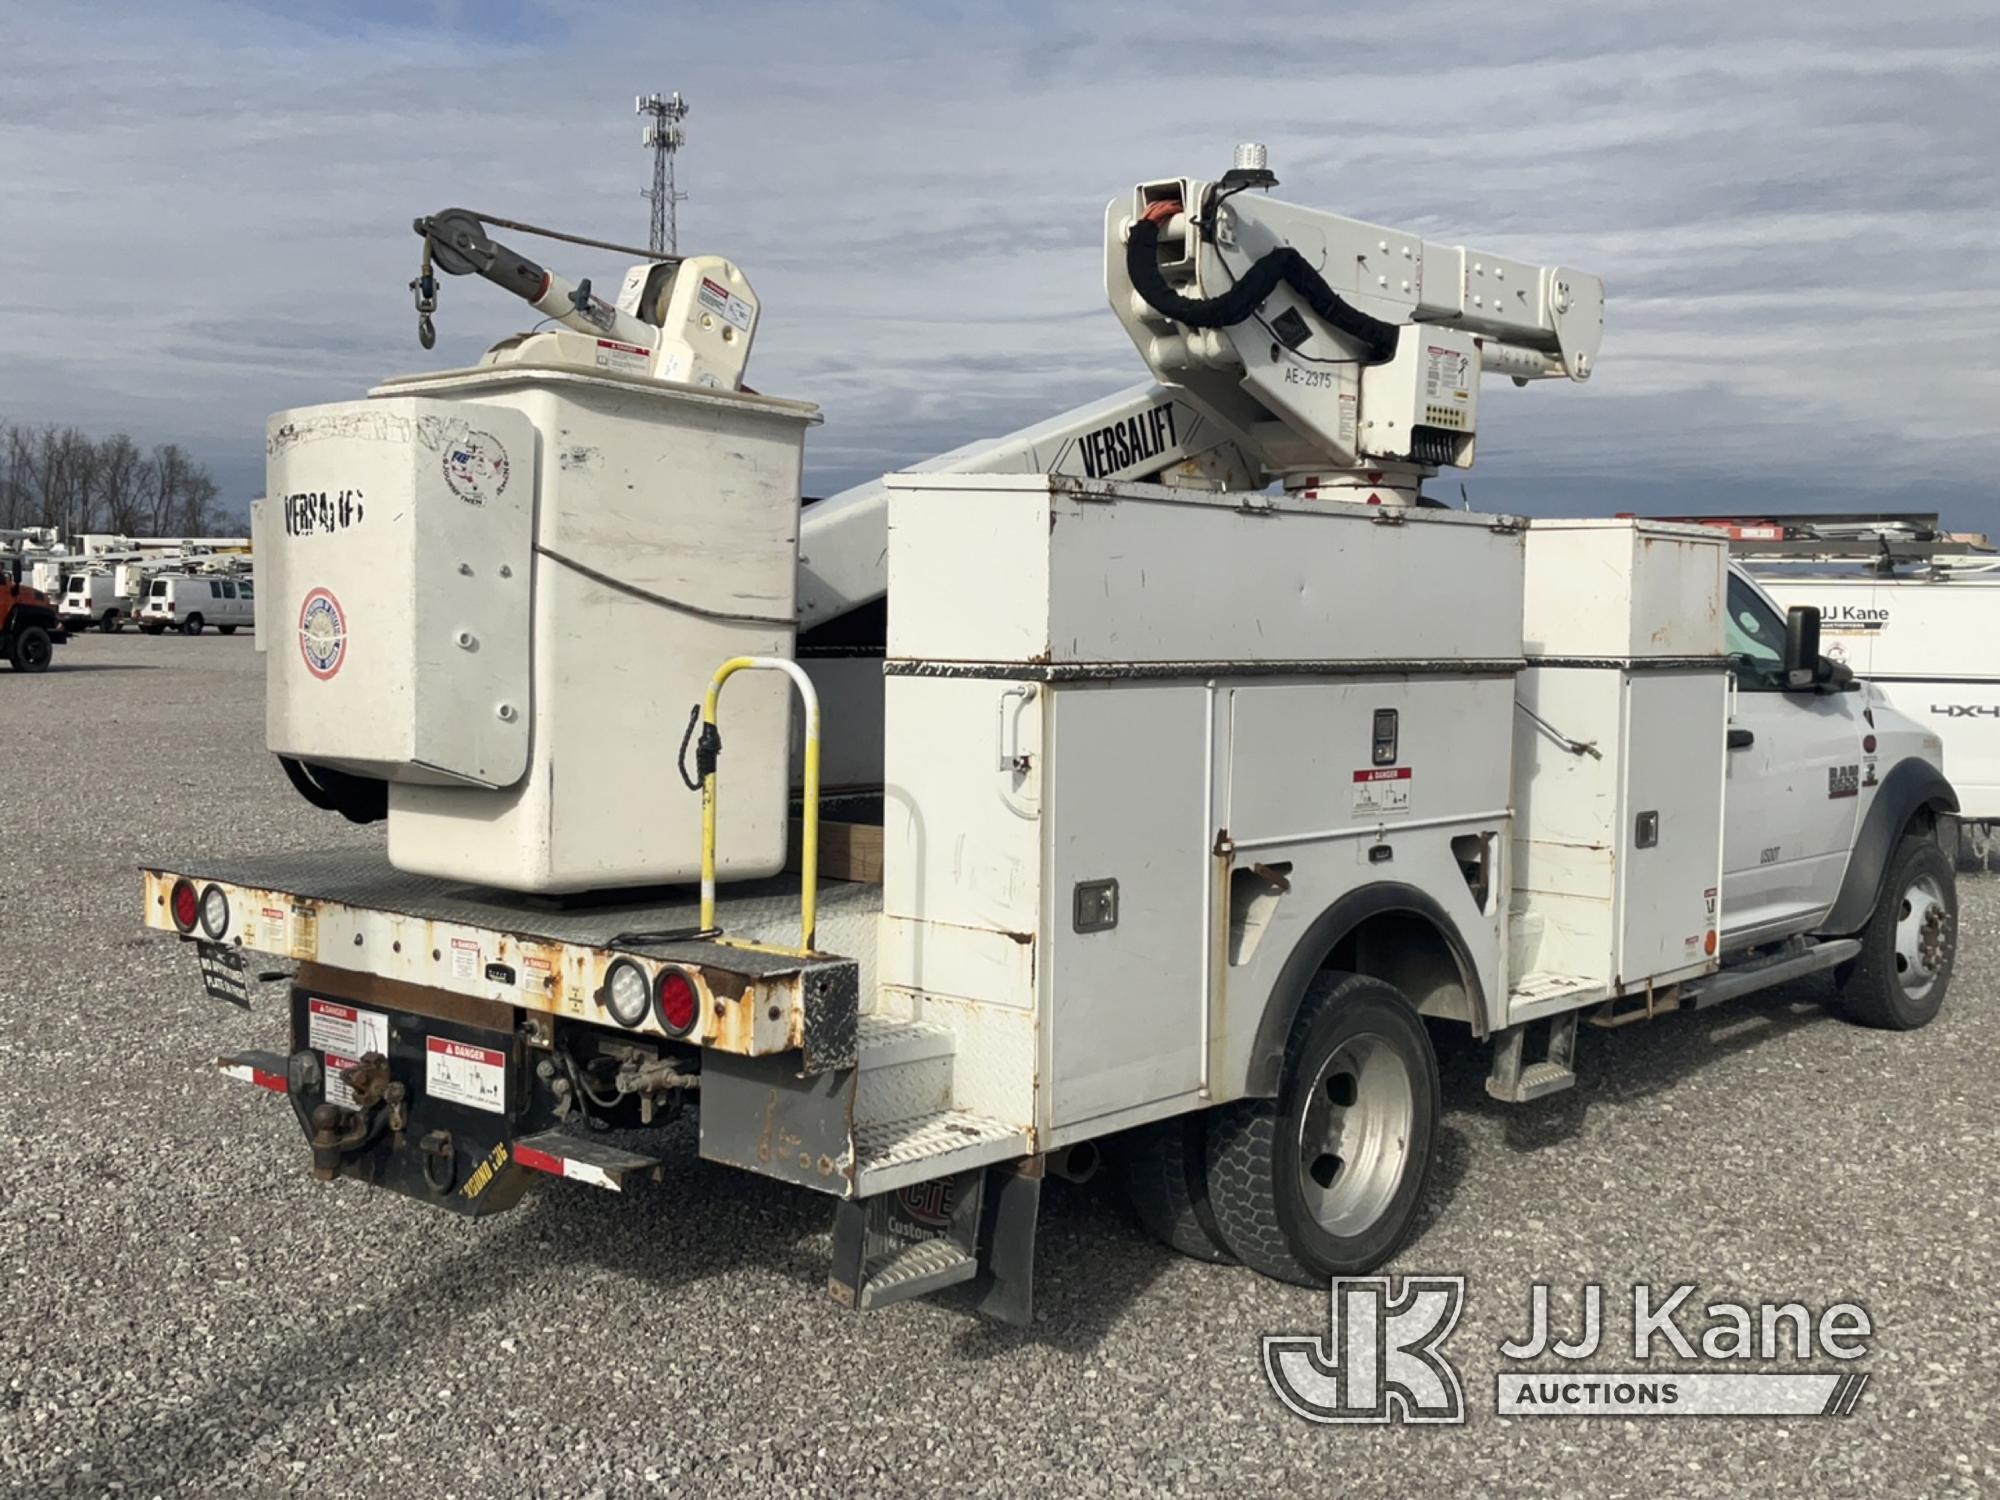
(974, 1231)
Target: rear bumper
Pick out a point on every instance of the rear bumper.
(753, 1002)
(444, 1109)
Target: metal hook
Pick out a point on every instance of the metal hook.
(424, 288)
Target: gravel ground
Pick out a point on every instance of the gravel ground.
(191, 1314)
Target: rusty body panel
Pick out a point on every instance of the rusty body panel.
(351, 913)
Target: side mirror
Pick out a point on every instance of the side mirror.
(1801, 648)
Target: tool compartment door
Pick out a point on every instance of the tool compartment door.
(1669, 839)
(1125, 803)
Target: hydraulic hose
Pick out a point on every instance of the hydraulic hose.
(1142, 264)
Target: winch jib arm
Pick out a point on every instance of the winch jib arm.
(689, 320)
(1344, 349)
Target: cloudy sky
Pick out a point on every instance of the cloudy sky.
(205, 207)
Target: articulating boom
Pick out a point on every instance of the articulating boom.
(1349, 354)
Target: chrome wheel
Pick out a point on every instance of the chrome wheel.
(1354, 1135)
(1923, 937)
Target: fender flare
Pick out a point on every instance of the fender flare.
(1909, 788)
(26, 615)
(1309, 955)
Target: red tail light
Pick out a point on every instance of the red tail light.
(678, 1002)
(185, 905)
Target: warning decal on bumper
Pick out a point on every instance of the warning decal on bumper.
(337, 1091)
(464, 1074)
(344, 1029)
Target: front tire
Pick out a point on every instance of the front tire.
(1326, 1179)
(32, 650)
(1899, 980)
(225, 630)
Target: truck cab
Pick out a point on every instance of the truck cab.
(1824, 777)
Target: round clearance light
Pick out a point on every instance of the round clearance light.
(679, 1001)
(184, 905)
(626, 992)
(214, 912)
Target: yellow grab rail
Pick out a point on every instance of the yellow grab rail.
(711, 740)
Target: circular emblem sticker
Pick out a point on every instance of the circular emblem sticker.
(475, 466)
(322, 633)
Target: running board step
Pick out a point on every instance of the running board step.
(1778, 968)
(974, 1229)
(907, 1243)
(891, 1154)
(1514, 1080)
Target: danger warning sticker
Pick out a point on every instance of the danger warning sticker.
(344, 1029)
(627, 359)
(337, 1091)
(464, 1074)
(718, 299)
(1382, 790)
(464, 958)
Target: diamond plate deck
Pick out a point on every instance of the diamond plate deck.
(895, 1153)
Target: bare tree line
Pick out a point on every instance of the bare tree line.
(62, 477)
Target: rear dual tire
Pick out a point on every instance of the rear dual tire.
(1327, 1178)
(1164, 1170)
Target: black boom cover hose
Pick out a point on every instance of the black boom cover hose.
(1142, 264)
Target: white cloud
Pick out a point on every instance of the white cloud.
(206, 209)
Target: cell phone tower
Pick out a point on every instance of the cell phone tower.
(663, 134)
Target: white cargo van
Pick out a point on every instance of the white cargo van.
(178, 601)
(92, 599)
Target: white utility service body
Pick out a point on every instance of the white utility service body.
(1185, 798)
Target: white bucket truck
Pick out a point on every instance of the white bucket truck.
(1207, 766)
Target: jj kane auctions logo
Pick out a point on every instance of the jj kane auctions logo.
(1382, 1357)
